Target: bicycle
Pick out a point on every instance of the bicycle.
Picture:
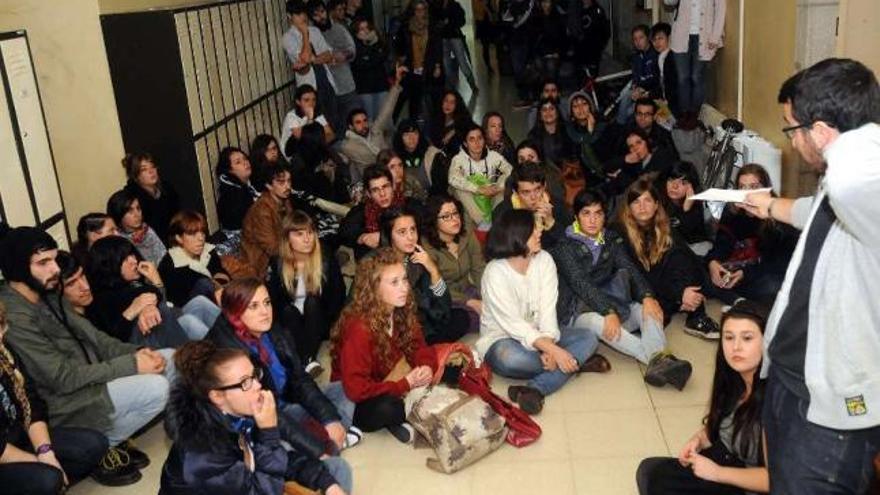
(722, 159)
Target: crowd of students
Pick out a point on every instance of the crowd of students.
(584, 231)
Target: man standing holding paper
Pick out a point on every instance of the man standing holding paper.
(822, 342)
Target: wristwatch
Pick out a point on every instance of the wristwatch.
(44, 449)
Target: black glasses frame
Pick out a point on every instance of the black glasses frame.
(245, 384)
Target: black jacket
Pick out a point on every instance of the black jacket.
(206, 458)
(554, 147)
(775, 243)
(562, 218)
(234, 200)
(368, 67)
(580, 279)
(157, 211)
(300, 387)
(354, 224)
(435, 312)
(669, 83)
(179, 281)
(661, 159)
(691, 224)
(329, 302)
(106, 310)
(449, 19)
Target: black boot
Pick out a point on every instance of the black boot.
(664, 368)
(115, 469)
(698, 324)
(529, 399)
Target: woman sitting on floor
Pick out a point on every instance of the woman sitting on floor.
(727, 454)
(519, 335)
(602, 290)
(130, 300)
(191, 268)
(90, 228)
(477, 176)
(377, 346)
(312, 421)
(125, 209)
(306, 286)
(664, 259)
(457, 252)
(687, 217)
(225, 431)
(440, 321)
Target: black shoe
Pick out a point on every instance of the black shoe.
(115, 469)
(529, 399)
(664, 368)
(403, 432)
(137, 458)
(700, 325)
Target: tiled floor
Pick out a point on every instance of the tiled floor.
(596, 430)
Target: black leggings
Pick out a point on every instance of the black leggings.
(308, 328)
(79, 451)
(665, 476)
(379, 412)
(459, 324)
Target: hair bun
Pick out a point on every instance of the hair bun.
(191, 359)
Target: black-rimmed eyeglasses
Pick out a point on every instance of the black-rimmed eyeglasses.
(790, 130)
(245, 384)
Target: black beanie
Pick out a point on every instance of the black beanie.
(16, 249)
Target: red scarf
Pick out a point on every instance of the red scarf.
(372, 211)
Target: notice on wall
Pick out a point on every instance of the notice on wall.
(31, 126)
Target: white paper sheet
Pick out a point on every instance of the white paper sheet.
(726, 195)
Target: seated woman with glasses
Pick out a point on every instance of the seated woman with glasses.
(750, 255)
(687, 217)
(520, 337)
(247, 324)
(377, 346)
(458, 254)
(225, 431)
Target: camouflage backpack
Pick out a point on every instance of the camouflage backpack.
(461, 428)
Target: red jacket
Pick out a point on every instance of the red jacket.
(362, 374)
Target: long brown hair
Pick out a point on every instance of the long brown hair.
(313, 273)
(649, 243)
(366, 305)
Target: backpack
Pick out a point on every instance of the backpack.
(461, 428)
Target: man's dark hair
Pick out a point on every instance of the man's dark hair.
(640, 27)
(374, 172)
(646, 102)
(275, 170)
(105, 261)
(295, 7)
(843, 93)
(532, 145)
(332, 4)
(354, 113)
(529, 172)
(661, 27)
(589, 197)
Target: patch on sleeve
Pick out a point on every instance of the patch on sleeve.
(855, 406)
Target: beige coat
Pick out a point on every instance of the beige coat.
(711, 26)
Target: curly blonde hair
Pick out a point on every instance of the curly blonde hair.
(366, 305)
(652, 242)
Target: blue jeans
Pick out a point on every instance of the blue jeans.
(807, 458)
(199, 315)
(294, 415)
(137, 399)
(341, 472)
(455, 47)
(509, 358)
(691, 76)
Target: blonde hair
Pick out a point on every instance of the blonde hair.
(313, 273)
(649, 249)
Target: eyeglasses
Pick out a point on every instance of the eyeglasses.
(789, 131)
(531, 193)
(448, 216)
(245, 384)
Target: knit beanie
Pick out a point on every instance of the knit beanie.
(16, 249)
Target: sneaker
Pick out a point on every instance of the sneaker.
(403, 432)
(115, 469)
(664, 368)
(352, 437)
(529, 399)
(314, 369)
(700, 325)
(136, 457)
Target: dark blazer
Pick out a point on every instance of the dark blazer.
(206, 458)
(300, 387)
(580, 278)
(157, 211)
(669, 83)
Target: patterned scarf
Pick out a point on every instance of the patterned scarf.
(372, 211)
(7, 367)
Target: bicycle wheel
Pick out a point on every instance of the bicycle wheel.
(727, 164)
(713, 166)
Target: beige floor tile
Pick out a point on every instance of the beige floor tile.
(616, 390)
(603, 434)
(695, 393)
(419, 479)
(526, 478)
(678, 424)
(552, 445)
(611, 476)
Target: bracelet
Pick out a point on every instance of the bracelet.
(44, 449)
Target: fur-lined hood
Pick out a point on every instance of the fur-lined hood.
(193, 423)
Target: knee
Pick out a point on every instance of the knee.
(43, 479)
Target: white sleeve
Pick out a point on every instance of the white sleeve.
(292, 46)
(853, 182)
(800, 212)
(319, 44)
(549, 290)
(457, 178)
(321, 120)
(500, 305)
